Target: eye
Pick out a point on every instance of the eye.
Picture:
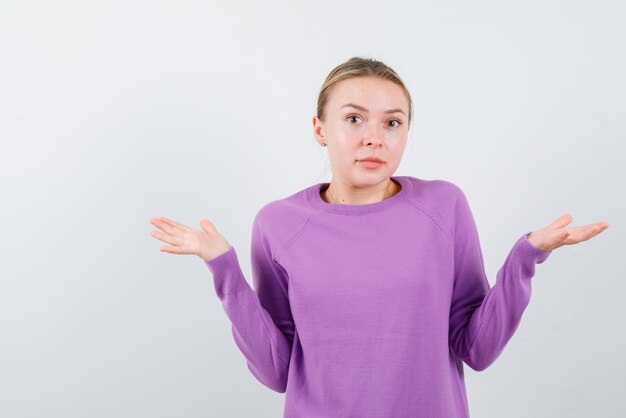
(397, 121)
(350, 117)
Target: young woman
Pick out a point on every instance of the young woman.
(369, 291)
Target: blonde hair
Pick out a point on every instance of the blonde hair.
(358, 67)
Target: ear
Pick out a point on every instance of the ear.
(318, 130)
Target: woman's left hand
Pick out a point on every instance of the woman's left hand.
(558, 234)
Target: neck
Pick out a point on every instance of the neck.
(332, 195)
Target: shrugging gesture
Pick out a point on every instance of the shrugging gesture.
(206, 243)
(558, 234)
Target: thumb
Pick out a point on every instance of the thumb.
(207, 226)
(561, 222)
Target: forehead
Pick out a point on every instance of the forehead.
(371, 92)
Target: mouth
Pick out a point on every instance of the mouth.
(372, 159)
(370, 163)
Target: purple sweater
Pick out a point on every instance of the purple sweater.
(371, 310)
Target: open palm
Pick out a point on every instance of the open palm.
(558, 234)
(206, 243)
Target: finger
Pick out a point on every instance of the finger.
(585, 233)
(172, 223)
(576, 229)
(173, 250)
(170, 228)
(562, 221)
(157, 220)
(597, 228)
(166, 238)
(208, 226)
(601, 226)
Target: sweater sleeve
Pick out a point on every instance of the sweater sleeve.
(483, 319)
(262, 325)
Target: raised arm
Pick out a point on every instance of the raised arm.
(483, 319)
(261, 321)
(262, 324)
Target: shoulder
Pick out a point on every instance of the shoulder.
(433, 194)
(287, 210)
(438, 199)
(281, 219)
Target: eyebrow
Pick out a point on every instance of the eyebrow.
(365, 110)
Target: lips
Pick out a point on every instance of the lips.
(370, 163)
(373, 159)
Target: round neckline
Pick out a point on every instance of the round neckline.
(315, 199)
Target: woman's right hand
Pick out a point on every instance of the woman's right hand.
(206, 244)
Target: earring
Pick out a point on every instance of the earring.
(323, 144)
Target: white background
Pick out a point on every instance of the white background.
(114, 112)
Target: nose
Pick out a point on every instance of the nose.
(373, 136)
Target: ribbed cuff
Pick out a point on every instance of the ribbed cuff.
(218, 262)
(227, 275)
(532, 252)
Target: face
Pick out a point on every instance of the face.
(365, 117)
